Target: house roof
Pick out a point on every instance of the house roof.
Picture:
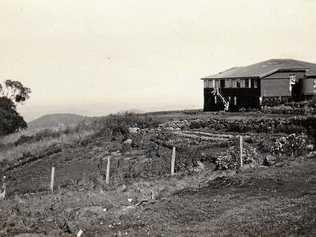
(266, 68)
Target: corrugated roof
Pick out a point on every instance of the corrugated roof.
(265, 68)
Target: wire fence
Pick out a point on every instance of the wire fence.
(108, 170)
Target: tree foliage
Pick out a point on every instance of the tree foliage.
(11, 94)
(10, 121)
(15, 91)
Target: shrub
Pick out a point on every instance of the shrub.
(291, 145)
(231, 158)
(10, 121)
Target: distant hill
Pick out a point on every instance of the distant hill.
(56, 120)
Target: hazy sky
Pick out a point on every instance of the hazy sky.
(100, 56)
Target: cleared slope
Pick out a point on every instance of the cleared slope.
(56, 120)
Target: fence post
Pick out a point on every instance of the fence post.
(4, 188)
(173, 160)
(108, 165)
(52, 179)
(241, 150)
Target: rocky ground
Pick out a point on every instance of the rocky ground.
(273, 194)
(277, 201)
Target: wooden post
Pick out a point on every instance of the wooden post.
(241, 151)
(4, 187)
(173, 160)
(52, 179)
(108, 165)
(80, 232)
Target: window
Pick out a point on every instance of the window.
(228, 83)
(247, 84)
(222, 83)
(234, 84)
(293, 78)
(216, 83)
(292, 81)
(238, 83)
(243, 83)
(255, 83)
(208, 83)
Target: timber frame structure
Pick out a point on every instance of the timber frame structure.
(270, 82)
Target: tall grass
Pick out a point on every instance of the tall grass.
(34, 141)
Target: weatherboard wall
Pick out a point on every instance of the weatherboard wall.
(308, 86)
(277, 84)
(275, 87)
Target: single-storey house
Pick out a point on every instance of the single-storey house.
(266, 83)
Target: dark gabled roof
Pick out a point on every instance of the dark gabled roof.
(266, 68)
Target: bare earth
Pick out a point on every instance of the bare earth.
(142, 199)
(277, 201)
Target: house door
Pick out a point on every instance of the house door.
(297, 90)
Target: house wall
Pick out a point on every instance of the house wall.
(308, 85)
(275, 87)
(277, 84)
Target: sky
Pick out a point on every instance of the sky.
(104, 56)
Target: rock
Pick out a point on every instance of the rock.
(133, 130)
(128, 141)
(269, 160)
(311, 155)
(175, 125)
(122, 188)
(310, 147)
(115, 153)
(200, 166)
(80, 232)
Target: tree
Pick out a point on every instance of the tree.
(15, 91)
(12, 93)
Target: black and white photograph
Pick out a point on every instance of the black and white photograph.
(160, 118)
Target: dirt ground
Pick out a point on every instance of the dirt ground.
(262, 202)
(277, 201)
(144, 200)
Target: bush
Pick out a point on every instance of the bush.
(116, 125)
(290, 145)
(10, 121)
(231, 158)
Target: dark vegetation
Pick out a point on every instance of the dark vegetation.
(10, 120)
(11, 94)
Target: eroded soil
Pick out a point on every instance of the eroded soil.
(275, 201)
